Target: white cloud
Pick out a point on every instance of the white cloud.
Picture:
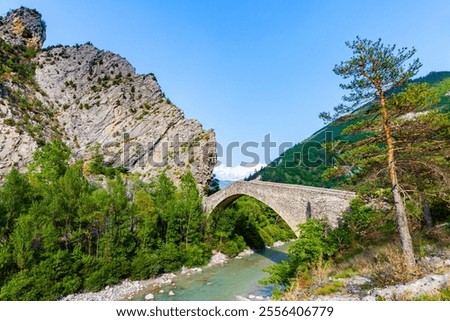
(235, 173)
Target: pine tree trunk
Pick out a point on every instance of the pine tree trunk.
(402, 221)
(426, 211)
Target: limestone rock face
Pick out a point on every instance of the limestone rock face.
(23, 26)
(96, 100)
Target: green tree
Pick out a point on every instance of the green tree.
(118, 239)
(22, 240)
(189, 209)
(146, 219)
(164, 198)
(16, 197)
(421, 129)
(214, 185)
(423, 143)
(50, 162)
(64, 199)
(374, 70)
(312, 245)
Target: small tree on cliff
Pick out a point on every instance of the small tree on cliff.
(374, 70)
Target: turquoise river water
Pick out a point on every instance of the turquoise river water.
(238, 277)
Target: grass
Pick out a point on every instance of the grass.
(345, 274)
(442, 295)
(391, 268)
(330, 288)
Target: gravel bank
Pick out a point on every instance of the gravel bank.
(127, 289)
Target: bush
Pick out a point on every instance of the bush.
(392, 268)
(232, 247)
(311, 247)
(360, 220)
(197, 255)
(49, 280)
(145, 265)
(169, 257)
(109, 272)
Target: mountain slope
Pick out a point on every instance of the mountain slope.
(94, 101)
(305, 162)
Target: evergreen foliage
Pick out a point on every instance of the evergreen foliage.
(61, 234)
(15, 63)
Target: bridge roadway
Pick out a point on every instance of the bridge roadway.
(294, 203)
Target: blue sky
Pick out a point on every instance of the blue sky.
(248, 68)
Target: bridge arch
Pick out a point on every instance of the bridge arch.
(294, 203)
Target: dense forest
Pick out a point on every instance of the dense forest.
(82, 226)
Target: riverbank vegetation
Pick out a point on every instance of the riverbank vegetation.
(366, 245)
(64, 229)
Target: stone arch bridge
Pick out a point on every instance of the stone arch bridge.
(294, 203)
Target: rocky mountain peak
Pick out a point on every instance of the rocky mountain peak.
(92, 100)
(23, 26)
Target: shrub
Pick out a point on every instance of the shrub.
(309, 249)
(145, 265)
(110, 272)
(196, 255)
(360, 220)
(330, 288)
(169, 257)
(233, 247)
(49, 280)
(391, 268)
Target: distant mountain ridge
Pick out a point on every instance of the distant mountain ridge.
(290, 167)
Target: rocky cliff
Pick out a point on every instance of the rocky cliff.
(92, 100)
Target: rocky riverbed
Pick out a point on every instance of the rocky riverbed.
(127, 289)
(357, 288)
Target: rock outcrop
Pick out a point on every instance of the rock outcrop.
(23, 27)
(94, 99)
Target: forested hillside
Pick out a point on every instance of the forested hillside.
(66, 227)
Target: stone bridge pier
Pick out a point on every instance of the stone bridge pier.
(294, 203)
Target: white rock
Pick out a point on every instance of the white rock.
(171, 293)
(278, 243)
(246, 252)
(218, 258)
(149, 297)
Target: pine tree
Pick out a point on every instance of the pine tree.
(375, 70)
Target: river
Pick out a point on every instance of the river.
(238, 277)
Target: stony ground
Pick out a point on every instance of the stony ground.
(362, 288)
